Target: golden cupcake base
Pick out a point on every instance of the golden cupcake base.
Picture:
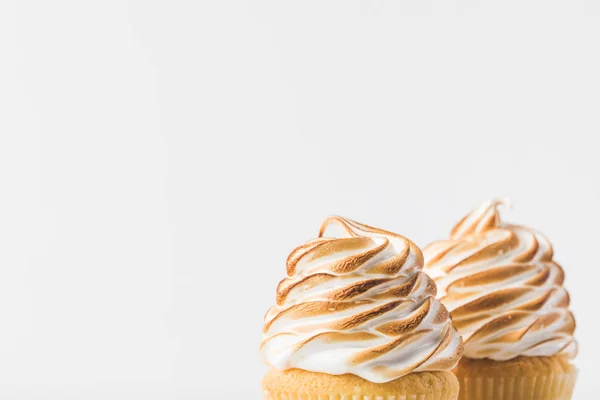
(296, 384)
(523, 378)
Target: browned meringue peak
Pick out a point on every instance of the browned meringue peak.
(502, 287)
(358, 302)
(479, 221)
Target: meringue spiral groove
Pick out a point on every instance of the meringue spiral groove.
(358, 304)
(503, 288)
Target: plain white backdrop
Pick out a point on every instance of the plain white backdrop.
(159, 160)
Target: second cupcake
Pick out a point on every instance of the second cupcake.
(506, 297)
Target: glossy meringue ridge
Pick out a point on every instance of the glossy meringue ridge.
(359, 304)
(503, 288)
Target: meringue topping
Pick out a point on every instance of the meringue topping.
(358, 303)
(503, 288)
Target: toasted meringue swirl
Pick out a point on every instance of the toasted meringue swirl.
(503, 288)
(359, 304)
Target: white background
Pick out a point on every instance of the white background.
(159, 159)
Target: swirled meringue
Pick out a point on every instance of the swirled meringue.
(503, 288)
(358, 304)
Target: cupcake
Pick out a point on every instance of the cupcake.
(356, 318)
(506, 297)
